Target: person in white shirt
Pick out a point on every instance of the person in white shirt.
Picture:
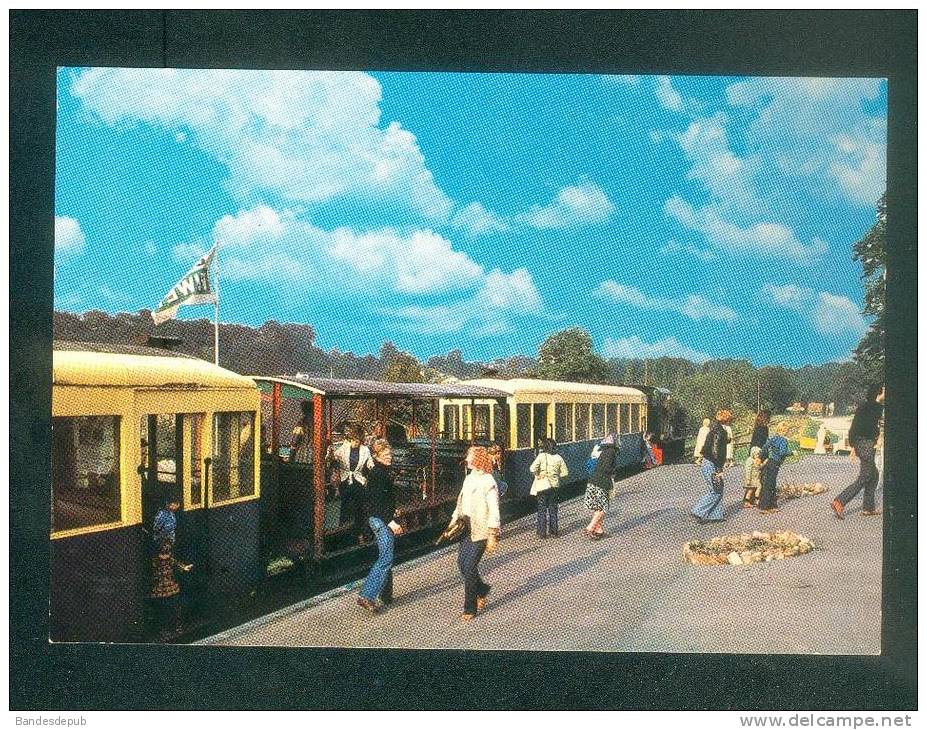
(354, 462)
(548, 468)
(730, 445)
(478, 502)
(700, 439)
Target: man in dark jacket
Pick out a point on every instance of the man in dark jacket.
(864, 432)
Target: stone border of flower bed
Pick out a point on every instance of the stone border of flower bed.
(746, 548)
(794, 491)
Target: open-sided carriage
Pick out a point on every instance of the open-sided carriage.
(301, 507)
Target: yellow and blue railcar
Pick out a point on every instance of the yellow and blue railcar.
(128, 424)
(575, 415)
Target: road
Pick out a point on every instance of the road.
(630, 591)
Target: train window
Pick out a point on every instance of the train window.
(625, 418)
(233, 456)
(582, 421)
(85, 472)
(196, 458)
(611, 418)
(450, 423)
(563, 415)
(167, 441)
(500, 416)
(523, 425)
(598, 420)
(478, 421)
(636, 416)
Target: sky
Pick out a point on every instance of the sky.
(696, 217)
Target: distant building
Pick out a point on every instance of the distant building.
(815, 409)
(796, 408)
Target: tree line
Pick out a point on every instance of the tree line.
(276, 348)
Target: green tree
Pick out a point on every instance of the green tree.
(870, 251)
(402, 368)
(776, 390)
(849, 386)
(568, 355)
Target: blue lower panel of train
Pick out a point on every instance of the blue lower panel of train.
(101, 581)
(575, 454)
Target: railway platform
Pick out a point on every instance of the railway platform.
(630, 591)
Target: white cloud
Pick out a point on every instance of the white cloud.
(635, 347)
(765, 239)
(729, 178)
(302, 136)
(838, 315)
(832, 315)
(279, 248)
(703, 254)
(417, 263)
(69, 238)
(581, 204)
(789, 296)
(621, 79)
(266, 244)
(818, 128)
(668, 97)
(491, 310)
(693, 306)
(476, 220)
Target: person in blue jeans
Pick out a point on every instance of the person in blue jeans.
(709, 507)
(769, 460)
(381, 511)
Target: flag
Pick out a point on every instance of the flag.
(194, 288)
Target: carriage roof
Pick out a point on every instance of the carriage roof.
(350, 388)
(521, 386)
(89, 364)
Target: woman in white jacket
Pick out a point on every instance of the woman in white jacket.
(548, 469)
(478, 502)
(354, 462)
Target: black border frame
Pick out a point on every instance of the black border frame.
(787, 43)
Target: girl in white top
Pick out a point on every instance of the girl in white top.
(478, 501)
(354, 462)
(548, 468)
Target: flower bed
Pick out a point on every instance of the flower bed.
(746, 548)
(794, 491)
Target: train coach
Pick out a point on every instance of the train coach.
(575, 415)
(301, 506)
(130, 424)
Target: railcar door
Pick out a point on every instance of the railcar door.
(172, 459)
(540, 423)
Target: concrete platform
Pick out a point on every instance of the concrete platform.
(630, 591)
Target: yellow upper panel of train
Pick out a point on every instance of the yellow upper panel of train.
(517, 387)
(82, 364)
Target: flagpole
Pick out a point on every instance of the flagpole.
(216, 279)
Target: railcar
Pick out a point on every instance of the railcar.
(129, 423)
(301, 506)
(575, 415)
(666, 420)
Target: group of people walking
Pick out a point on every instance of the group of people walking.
(767, 453)
(477, 512)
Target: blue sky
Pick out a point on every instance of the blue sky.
(687, 216)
